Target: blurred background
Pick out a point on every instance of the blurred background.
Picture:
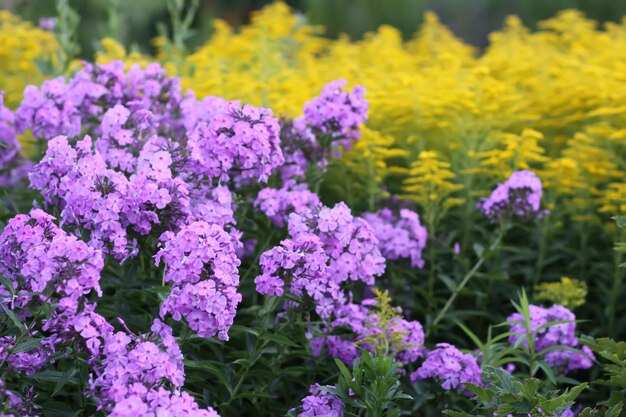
(134, 22)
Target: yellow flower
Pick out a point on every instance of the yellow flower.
(21, 47)
(567, 292)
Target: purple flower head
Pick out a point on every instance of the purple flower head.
(562, 334)
(105, 202)
(159, 402)
(450, 367)
(300, 149)
(399, 235)
(278, 204)
(128, 361)
(35, 254)
(201, 263)
(349, 242)
(20, 404)
(404, 338)
(326, 248)
(78, 105)
(239, 140)
(13, 165)
(321, 403)
(337, 113)
(299, 266)
(518, 196)
(48, 23)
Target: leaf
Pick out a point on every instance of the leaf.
(7, 284)
(614, 411)
(478, 249)
(16, 321)
(484, 394)
(27, 345)
(279, 339)
(66, 378)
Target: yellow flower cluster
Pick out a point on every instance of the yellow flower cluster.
(21, 47)
(567, 292)
(551, 100)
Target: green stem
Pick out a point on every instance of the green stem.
(542, 251)
(615, 292)
(469, 276)
(433, 267)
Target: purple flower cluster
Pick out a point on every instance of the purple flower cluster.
(337, 113)
(327, 247)
(449, 366)
(238, 138)
(278, 204)
(349, 242)
(201, 263)
(321, 404)
(399, 235)
(38, 257)
(60, 108)
(333, 118)
(548, 336)
(518, 196)
(404, 338)
(13, 166)
(45, 266)
(131, 364)
(300, 149)
(161, 402)
(104, 201)
(19, 404)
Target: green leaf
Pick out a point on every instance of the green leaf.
(7, 284)
(279, 339)
(68, 376)
(27, 345)
(16, 321)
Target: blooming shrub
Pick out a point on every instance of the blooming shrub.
(273, 241)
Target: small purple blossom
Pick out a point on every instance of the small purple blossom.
(13, 166)
(321, 403)
(399, 235)
(450, 367)
(337, 113)
(201, 263)
(326, 248)
(238, 139)
(562, 334)
(278, 204)
(518, 196)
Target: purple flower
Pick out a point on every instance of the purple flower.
(36, 255)
(326, 248)
(321, 403)
(337, 113)
(300, 149)
(160, 402)
(60, 108)
(13, 166)
(106, 202)
(562, 334)
(201, 263)
(238, 139)
(48, 23)
(449, 366)
(278, 204)
(518, 196)
(399, 235)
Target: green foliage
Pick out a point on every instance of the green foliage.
(506, 394)
(614, 370)
(372, 388)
